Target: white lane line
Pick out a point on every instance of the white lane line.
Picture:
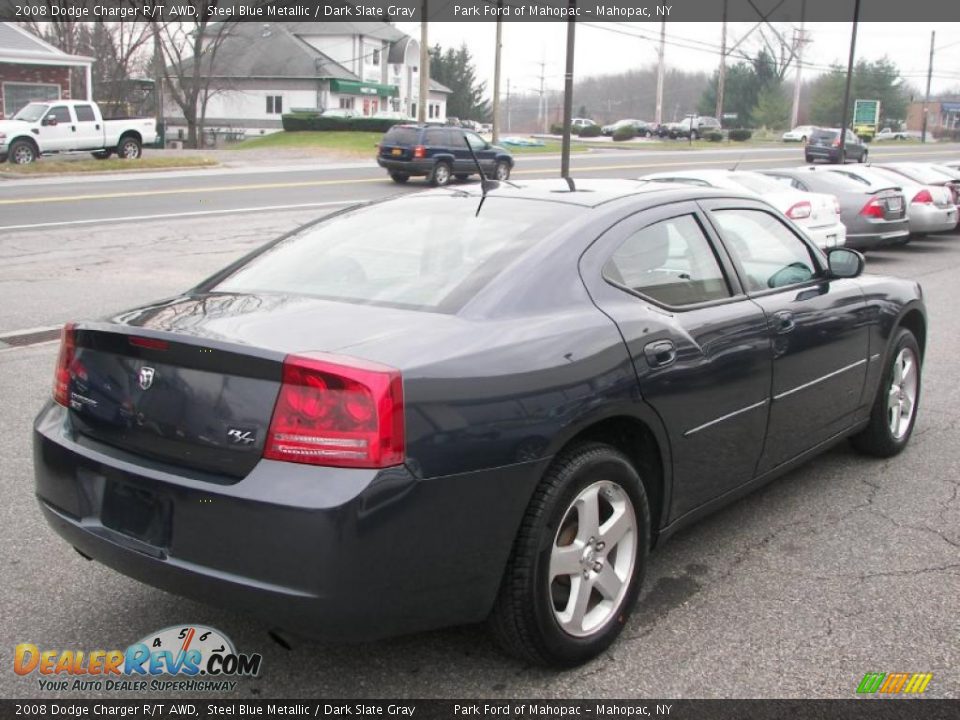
(197, 213)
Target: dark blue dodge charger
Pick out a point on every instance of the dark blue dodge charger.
(430, 410)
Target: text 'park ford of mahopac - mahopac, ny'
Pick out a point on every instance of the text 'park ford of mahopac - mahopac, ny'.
(561, 11)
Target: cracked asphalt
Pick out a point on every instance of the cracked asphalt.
(846, 566)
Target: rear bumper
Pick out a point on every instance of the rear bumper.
(828, 236)
(932, 219)
(410, 167)
(341, 554)
(878, 233)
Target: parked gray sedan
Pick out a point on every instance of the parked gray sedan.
(873, 216)
(930, 208)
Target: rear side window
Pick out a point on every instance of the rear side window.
(671, 262)
(401, 136)
(770, 255)
(84, 113)
(436, 136)
(429, 253)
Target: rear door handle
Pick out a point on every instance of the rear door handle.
(783, 322)
(660, 353)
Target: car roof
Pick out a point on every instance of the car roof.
(591, 192)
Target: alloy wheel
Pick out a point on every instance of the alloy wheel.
(902, 395)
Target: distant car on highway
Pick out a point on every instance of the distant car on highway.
(890, 134)
(800, 134)
(440, 154)
(872, 216)
(471, 404)
(642, 129)
(581, 123)
(818, 214)
(824, 144)
(696, 126)
(930, 208)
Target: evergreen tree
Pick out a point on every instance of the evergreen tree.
(455, 69)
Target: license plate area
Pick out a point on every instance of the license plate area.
(136, 512)
(396, 152)
(894, 204)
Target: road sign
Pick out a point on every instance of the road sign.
(866, 112)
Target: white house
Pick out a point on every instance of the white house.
(261, 70)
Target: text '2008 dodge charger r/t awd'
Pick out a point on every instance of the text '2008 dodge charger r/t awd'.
(491, 410)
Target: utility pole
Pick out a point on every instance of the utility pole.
(424, 67)
(496, 76)
(722, 75)
(509, 126)
(799, 41)
(542, 112)
(663, 40)
(846, 90)
(568, 94)
(926, 98)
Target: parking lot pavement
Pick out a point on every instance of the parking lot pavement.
(845, 566)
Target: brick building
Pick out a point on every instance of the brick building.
(941, 115)
(31, 69)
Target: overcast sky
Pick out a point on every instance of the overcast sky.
(604, 48)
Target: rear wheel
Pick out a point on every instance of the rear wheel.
(578, 560)
(399, 177)
(863, 157)
(894, 410)
(441, 174)
(502, 171)
(129, 148)
(22, 152)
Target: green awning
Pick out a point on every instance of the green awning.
(355, 87)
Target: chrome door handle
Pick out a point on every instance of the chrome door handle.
(783, 322)
(660, 353)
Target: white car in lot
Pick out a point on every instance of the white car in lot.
(930, 208)
(817, 214)
(801, 133)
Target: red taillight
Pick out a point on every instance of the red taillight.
(836, 206)
(61, 376)
(923, 197)
(800, 210)
(336, 411)
(149, 343)
(874, 208)
(419, 151)
(836, 143)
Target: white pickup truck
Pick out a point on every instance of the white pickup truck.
(66, 126)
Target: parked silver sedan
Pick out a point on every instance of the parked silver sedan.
(874, 216)
(930, 208)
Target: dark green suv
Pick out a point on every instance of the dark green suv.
(440, 153)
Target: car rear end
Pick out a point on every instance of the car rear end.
(275, 440)
(819, 216)
(402, 150)
(823, 145)
(881, 220)
(932, 210)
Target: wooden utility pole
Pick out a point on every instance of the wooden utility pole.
(801, 40)
(846, 90)
(568, 93)
(926, 98)
(496, 76)
(424, 67)
(663, 39)
(722, 75)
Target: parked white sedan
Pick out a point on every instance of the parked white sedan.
(800, 133)
(817, 214)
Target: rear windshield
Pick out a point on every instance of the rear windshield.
(424, 253)
(757, 183)
(833, 181)
(825, 134)
(401, 136)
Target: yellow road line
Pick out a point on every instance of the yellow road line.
(357, 181)
(189, 191)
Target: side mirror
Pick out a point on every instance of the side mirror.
(845, 262)
(49, 120)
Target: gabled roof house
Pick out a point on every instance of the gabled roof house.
(262, 70)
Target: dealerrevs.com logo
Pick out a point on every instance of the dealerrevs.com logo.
(180, 657)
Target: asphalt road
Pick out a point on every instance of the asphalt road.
(51, 202)
(845, 566)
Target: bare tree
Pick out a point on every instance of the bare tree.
(188, 50)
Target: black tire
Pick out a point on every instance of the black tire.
(524, 620)
(502, 171)
(809, 160)
(878, 439)
(803, 139)
(22, 152)
(102, 154)
(462, 177)
(441, 174)
(863, 158)
(399, 177)
(129, 148)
